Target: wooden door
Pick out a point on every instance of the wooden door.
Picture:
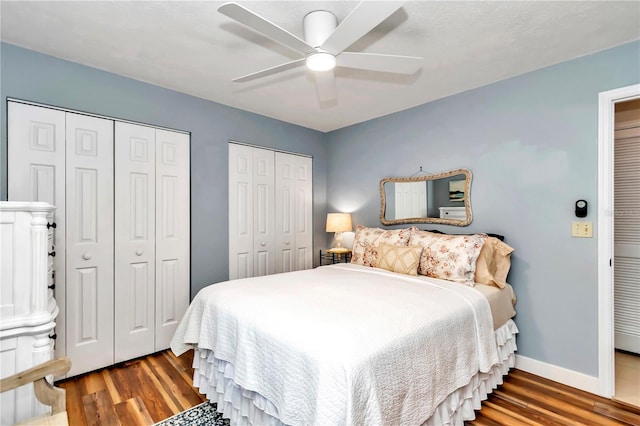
(135, 237)
(89, 240)
(36, 172)
(173, 233)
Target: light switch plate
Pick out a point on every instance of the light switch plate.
(582, 229)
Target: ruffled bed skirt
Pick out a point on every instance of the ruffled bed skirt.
(214, 378)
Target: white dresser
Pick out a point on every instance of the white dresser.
(458, 213)
(27, 306)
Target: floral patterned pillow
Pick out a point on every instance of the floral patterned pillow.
(449, 257)
(367, 240)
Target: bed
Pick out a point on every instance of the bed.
(349, 344)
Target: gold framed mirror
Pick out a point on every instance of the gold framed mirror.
(443, 198)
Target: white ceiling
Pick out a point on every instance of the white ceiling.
(189, 47)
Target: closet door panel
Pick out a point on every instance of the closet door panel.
(285, 204)
(36, 172)
(279, 238)
(240, 211)
(172, 233)
(303, 215)
(264, 212)
(89, 239)
(135, 251)
(293, 219)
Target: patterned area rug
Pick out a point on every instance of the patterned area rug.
(200, 415)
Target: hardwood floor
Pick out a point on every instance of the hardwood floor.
(525, 399)
(627, 377)
(150, 389)
(139, 392)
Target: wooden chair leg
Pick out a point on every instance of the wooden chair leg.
(50, 395)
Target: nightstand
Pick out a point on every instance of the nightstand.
(331, 256)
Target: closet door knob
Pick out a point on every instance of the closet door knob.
(263, 244)
(139, 252)
(86, 256)
(286, 243)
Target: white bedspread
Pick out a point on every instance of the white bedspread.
(357, 345)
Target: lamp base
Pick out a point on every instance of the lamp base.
(338, 241)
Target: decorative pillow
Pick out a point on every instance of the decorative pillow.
(449, 257)
(367, 240)
(400, 259)
(493, 263)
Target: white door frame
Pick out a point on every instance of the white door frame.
(606, 116)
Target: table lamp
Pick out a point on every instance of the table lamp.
(339, 223)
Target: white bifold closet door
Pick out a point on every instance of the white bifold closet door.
(263, 213)
(294, 202)
(152, 238)
(173, 233)
(89, 241)
(122, 241)
(240, 211)
(35, 158)
(66, 159)
(251, 212)
(135, 217)
(270, 212)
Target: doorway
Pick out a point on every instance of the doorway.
(626, 251)
(609, 102)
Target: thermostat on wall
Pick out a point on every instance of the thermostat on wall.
(581, 208)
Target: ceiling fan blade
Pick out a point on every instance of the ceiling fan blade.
(325, 85)
(261, 25)
(365, 17)
(270, 71)
(377, 62)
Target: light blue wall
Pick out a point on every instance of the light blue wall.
(40, 78)
(531, 144)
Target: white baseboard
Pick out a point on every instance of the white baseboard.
(559, 374)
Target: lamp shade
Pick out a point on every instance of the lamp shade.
(339, 222)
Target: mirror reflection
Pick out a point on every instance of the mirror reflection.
(438, 198)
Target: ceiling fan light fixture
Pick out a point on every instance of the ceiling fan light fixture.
(321, 61)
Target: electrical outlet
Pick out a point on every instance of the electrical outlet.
(582, 229)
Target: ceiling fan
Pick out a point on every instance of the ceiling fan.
(325, 41)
